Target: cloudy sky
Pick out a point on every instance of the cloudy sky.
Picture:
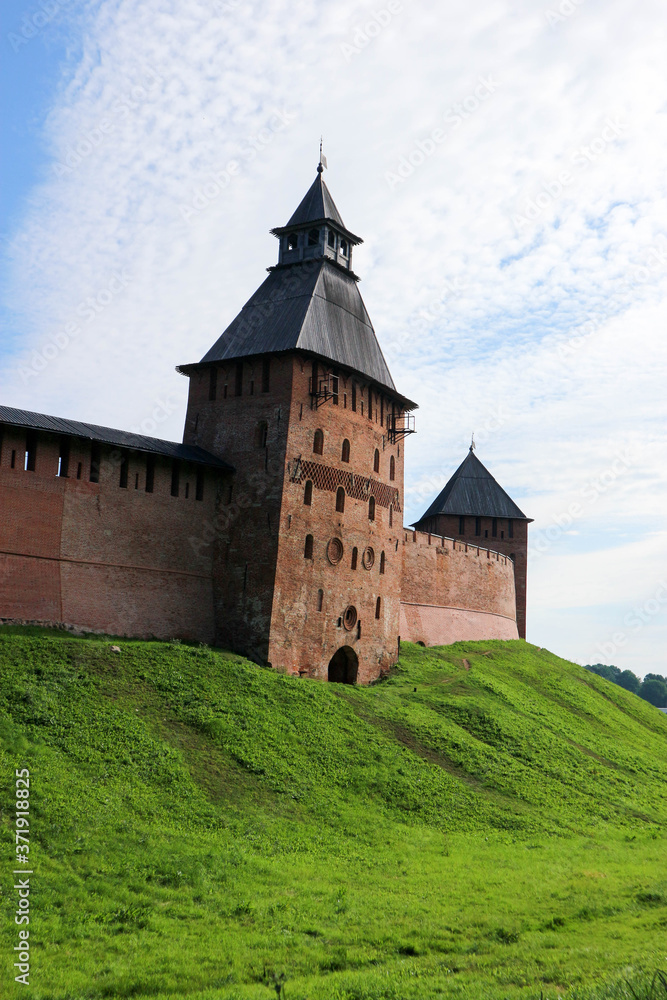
(505, 165)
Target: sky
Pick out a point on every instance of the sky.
(504, 164)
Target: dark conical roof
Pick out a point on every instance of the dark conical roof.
(472, 490)
(313, 307)
(316, 205)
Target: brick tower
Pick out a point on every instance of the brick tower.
(476, 509)
(297, 396)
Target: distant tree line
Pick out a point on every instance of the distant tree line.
(653, 688)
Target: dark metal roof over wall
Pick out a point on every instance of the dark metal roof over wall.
(311, 306)
(108, 435)
(316, 206)
(472, 490)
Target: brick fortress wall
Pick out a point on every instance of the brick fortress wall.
(495, 533)
(98, 557)
(453, 591)
(233, 568)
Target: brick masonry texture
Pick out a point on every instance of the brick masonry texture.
(430, 626)
(267, 564)
(453, 591)
(304, 638)
(515, 547)
(98, 557)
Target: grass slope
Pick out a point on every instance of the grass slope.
(489, 822)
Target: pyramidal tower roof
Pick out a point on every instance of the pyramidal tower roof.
(317, 205)
(472, 490)
(310, 301)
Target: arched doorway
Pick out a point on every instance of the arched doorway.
(343, 666)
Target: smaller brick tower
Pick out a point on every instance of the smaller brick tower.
(297, 395)
(476, 509)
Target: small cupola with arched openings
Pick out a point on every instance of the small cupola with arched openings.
(316, 230)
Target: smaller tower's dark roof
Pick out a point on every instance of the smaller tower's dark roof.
(109, 435)
(472, 490)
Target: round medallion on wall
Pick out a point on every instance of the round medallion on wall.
(350, 617)
(334, 551)
(368, 558)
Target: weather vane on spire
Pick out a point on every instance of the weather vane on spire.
(472, 443)
(323, 160)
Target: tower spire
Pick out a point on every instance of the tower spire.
(323, 160)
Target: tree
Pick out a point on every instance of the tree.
(655, 692)
(604, 670)
(629, 681)
(655, 677)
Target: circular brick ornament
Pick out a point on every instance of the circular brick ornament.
(334, 551)
(368, 558)
(350, 617)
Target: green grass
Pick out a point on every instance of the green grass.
(203, 828)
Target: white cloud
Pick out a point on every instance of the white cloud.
(177, 91)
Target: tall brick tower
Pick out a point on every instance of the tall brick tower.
(476, 509)
(297, 395)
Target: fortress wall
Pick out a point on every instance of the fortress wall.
(499, 534)
(95, 556)
(30, 518)
(140, 603)
(453, 592)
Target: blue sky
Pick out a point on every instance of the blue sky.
(504, 164)
(31, 71)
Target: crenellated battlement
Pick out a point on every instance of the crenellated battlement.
(453, 544)
(452, 590)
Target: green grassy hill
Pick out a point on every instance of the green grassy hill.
(488, 822)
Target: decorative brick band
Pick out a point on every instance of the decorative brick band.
(326, 477)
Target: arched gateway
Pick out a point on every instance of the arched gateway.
(343, 666)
